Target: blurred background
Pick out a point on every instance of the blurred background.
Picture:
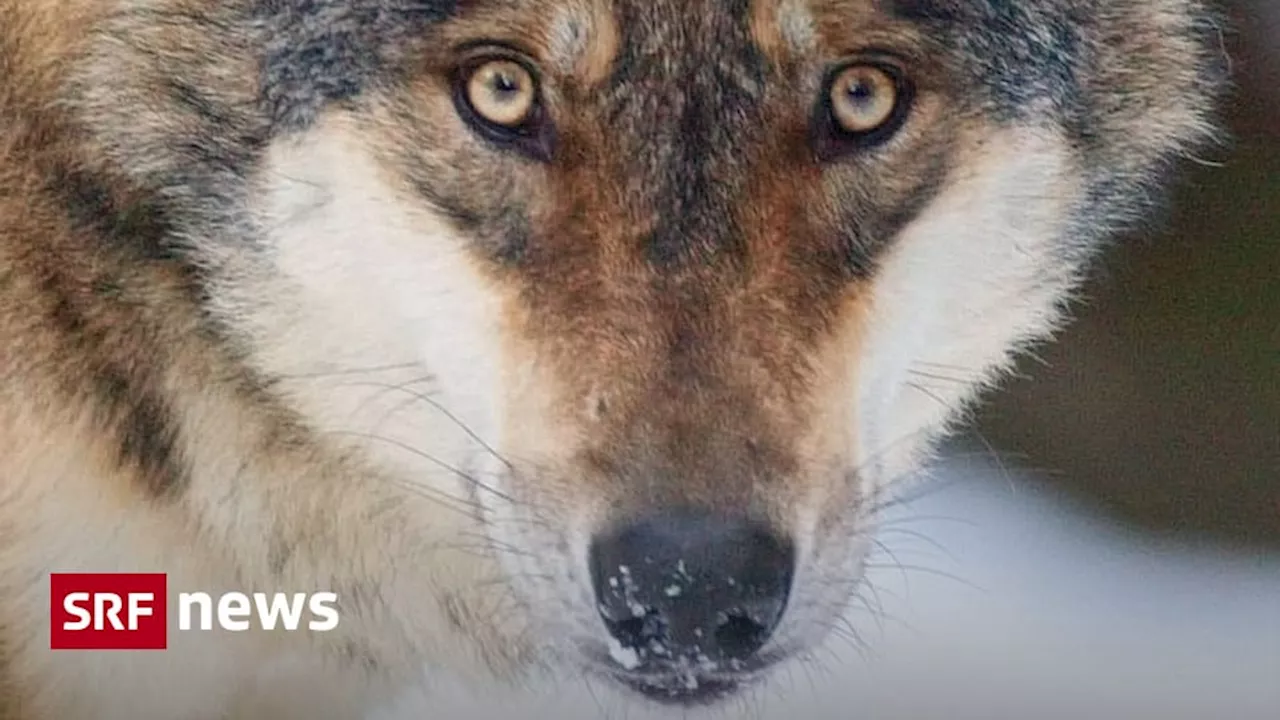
(1106, 544)
(1161, 405)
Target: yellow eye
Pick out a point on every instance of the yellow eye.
(502, 92)
(864, 98)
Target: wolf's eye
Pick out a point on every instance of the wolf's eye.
(502, 92)
(864, 98)
(865, 103)
(499, 97)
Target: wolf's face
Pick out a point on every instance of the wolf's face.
(660, 295)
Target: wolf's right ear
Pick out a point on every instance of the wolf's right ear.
(1156, 73)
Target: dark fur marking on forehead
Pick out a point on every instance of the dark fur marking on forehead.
(322, 51)
(692, 213)
(688, 81)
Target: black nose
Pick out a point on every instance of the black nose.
(690, 587)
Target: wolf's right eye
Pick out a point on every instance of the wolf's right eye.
(863, 98)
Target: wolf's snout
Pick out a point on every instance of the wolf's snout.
(690, 590)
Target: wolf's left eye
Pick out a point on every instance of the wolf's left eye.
(863, 98)
(865, 104)
(502, 92)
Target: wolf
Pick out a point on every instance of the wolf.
(554, 337)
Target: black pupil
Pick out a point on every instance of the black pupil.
(505, 84)
(861, 92)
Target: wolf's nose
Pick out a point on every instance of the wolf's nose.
(690, 587)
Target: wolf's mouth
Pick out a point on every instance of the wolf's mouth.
(686, 684)
(688, 690)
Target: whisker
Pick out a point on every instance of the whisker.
(880, 525)
(346, 372)
(417, 396)
(465, 507)
(944, 366)
(851, 638)
(934, 544)
(930, 571)
(498, 545)
(892, 557)
(384, 389)
(940, 378)
(876, 612)
(431, 459)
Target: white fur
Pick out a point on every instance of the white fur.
(972, 280)
(965, 285)
(368, 281)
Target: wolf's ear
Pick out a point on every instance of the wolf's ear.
(1156, 73)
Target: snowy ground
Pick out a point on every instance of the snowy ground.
(1033, 612)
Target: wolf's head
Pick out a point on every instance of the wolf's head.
(660, 296)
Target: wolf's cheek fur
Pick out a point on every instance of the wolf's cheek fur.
(981, 273)
(378, 328)
(374, 302)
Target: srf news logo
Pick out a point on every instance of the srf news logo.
(128, 611)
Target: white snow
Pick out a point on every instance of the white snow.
(627, 657)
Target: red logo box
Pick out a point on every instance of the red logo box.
(120, 611)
